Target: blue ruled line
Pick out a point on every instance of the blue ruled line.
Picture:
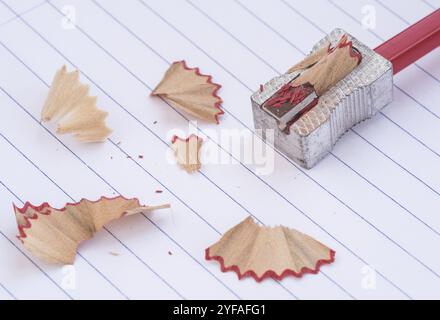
(221, 282)
(25, 255)
(8, 291)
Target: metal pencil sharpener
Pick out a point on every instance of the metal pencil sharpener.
(306, 128)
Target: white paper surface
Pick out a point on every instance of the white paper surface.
(375, 199)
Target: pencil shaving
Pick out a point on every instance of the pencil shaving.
(69, 103)
(187, 152)
(327, 68)
(53, 235)
(189, 90)
(309, 60)
(262, 252)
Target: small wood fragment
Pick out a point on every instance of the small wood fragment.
(187, 152)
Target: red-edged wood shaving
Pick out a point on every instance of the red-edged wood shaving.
(53, 235)
(260, 252)
(191, 91)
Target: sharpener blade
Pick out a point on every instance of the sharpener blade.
(285, 110)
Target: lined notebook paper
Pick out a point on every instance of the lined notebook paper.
(375, 199)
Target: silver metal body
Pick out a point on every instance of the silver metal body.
(359, 96)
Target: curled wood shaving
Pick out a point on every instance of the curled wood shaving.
(331, 67)
(262, 252)
(69, 103)
(189, 90)
(309, 60)
(53, 235)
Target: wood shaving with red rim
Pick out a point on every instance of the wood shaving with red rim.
(187, 152)
(187, 89)
(329, 67)
(265, 252)
(53, 235)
